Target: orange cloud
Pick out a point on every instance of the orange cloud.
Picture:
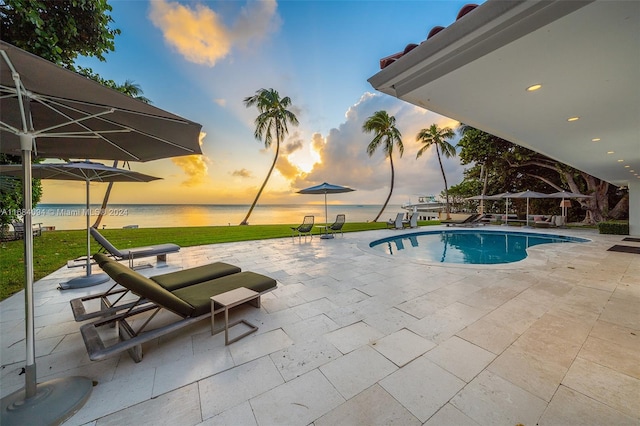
(243, 173)
(199, 34)
(194, 166)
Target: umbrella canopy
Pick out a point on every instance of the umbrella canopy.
(528, 194)
(485, 197)
(325, 188)
(81, 171)
(56, 113)
(567, 194)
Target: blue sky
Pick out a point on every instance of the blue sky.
(201, 59)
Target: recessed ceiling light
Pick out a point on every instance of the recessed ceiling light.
(573, 118)
(611, 152)
(595, 140)
(534, 87)
(632, 171)
(621, 161)
(627, 166)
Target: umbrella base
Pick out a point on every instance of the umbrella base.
(86, 281)
(55, 401)
(326, 236)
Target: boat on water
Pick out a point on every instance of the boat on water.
(428, 206)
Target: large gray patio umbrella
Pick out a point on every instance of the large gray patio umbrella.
(567, 194)
(482, 198)
(52, 112)
(87, 172)
(528, 194)
(325, 188)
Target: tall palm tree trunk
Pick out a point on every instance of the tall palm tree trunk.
(245, 221)
(390, 190)
(105, 201)
(446, 189)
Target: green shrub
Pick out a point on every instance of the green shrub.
(614, 228)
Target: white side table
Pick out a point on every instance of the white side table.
(228, 300)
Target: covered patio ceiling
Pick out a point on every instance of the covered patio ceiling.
(585, 54)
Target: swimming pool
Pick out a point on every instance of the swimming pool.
(467, 246)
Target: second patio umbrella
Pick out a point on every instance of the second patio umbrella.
(325, 188)
(528, 194)
(56, 113)
(88, 172)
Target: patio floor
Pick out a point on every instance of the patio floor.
(352, 337)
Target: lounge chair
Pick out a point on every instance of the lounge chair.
(337, 225)
(304, 229)
(117, 299)
(160, 251)
(18, 230)
(471, 220)
(396, 224)
(544, 223)
(191, 304)
(412, 222)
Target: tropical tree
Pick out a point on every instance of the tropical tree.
(271, 122)
(383, 126)
(434, 136)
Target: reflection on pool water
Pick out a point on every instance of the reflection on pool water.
(467, 246)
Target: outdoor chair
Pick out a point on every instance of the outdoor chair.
(117, 298)
(18, 230)
(191, 304)
(337, 225)
(469, 221)
(412, 222)
(304, 229)
(544, 223)
(160, 251)
(396, 224)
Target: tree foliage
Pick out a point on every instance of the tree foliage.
(513, 168)
(436, 137)
(386, 135)
(59, 30)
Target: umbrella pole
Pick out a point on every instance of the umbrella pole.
(53, 401)
(88, 280)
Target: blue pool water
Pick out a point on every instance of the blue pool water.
(466, 246)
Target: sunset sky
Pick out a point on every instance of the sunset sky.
(201, 59)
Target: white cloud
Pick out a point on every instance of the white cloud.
(201, 36)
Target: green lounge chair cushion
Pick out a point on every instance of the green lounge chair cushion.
(199, 295)
(144, 287)
(176, 280)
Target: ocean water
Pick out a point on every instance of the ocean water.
(71, 216)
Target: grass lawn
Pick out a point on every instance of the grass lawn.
(53, 249)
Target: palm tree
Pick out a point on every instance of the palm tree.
(433, 136)
(387, 135)
(272, 121)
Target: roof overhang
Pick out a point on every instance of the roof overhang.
(586, 55)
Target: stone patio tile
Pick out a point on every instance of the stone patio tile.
(298, 402)
(349, 338)
(461, 358)
(240, 415)
(314, 308)
(310, 328)
(389, 320)
(356, 371)
(373, 406)
(570, 408)
(232, 387)
(622, 312)
(402, 347)
(256, 346)
(116, 395)
(446, 322)
(489, 334)
(614, 389)
(422, 387)
(450, 416)
(618, 335)
(304, 356)
(489, 297)
(617, 357)
(181, 406)
(190, 369)
(490, 400)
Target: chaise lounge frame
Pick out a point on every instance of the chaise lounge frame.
(188, 303)
(160, 251)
